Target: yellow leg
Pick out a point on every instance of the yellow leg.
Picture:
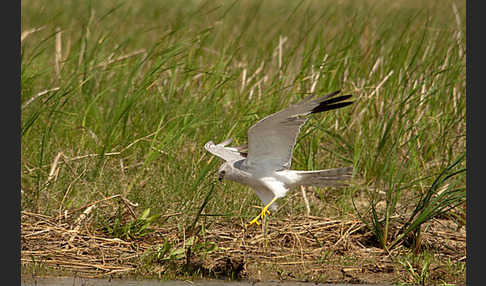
(263, 213)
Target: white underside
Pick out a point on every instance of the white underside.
(274, 185)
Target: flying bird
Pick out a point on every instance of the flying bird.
(265, 165)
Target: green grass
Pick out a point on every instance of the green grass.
(137, 87)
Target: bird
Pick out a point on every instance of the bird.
(264, 163)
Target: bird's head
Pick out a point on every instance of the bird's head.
(223, 171)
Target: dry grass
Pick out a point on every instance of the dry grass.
(301, 248)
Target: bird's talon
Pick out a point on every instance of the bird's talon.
(255, 220)
(264, 212)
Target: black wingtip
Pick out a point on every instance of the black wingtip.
(332, 94)
(332, 103)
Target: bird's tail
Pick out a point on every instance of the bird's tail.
(324, 178)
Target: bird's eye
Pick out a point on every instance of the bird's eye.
(221, 175)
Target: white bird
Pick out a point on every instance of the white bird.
(266, 165)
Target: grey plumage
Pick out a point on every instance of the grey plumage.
(325, 178)
(265, 166)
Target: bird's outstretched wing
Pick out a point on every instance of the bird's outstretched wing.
(271, 140)
(226, 153)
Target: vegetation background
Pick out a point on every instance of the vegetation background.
(119, 97)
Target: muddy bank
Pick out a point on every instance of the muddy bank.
(71, 281)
